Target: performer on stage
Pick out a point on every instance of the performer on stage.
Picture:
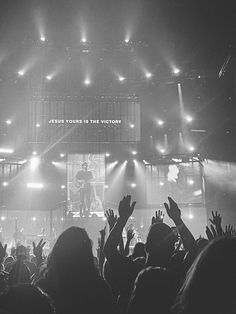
(83, 179)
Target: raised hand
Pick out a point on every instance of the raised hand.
(111, 218)
(211, 232)
(158, 218)
(38, 250)
(229, 230)
(130, 234)
(173, 210)
(125, 208)
(216, 219)
(2, 251)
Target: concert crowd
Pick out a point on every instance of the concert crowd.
(172, 272)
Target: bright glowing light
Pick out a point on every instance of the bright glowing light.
(62, 155)
(63, 186)
(83, 40)
(107, 154)
(188, 118)
(6, 150)
(176, 71)
(126, 40)
(134, 152)
(21, 73)
(33, 218)
(190, 182)
(8, 122)
(34, 163)
(121, 78)
(160, 122)
(37, 125)
(191, 148)
(34, 153)
(42, 38)
(49, 77)
(131, 126)
(134, 160)
(3, 218)
(35, 185)
(105, 186)
(190, 216)
(87, 82)
(22, 162)
(148, 74)
(162, 150)
(133, 185)
(145, 162)
(161, 183)
(5, 183)
(173, 173)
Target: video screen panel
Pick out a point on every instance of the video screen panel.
(76, 179)
(183, 182)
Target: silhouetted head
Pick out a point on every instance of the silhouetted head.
(72, 255)
(139, 250)
(201, 243)
(25, 299)
(160, 244)
(210, 283)
(85, 165)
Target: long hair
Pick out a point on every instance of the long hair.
(209, 286)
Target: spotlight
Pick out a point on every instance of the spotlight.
(37, 125)
(83, 40)
(190, 182)
(54, 163)
(63, 187)
(133, 185)
(161, 183)
(148, 75)
(105, 186)
(3, 218)
(107, 154)
(62, 155)
(134, 160)
(87, 82)
(6, 150)
(126, 40)
(42, 38)
(49, 77)
(131, 126)
(134, 152)
(34, 153)
(8, 122)
(5, 183)
(190, 216)
(34, 185)
(34, 162)
(162, 150)
(176, 71)
(121, 78)
(33, 218)
(160, 122)
(21, 73)
(188, 118)
(191, 148)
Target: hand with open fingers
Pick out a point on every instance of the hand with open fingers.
(126, 208)
(172, 209)
(2, 251)
(38, 249)
(216, 219)
(229, 230)
(158, 218)
(111, 218)
(130, 234)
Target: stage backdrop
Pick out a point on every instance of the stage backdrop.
(96, 164)
(84, 119)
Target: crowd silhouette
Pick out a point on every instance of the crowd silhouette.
(170, 273)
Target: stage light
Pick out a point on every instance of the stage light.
(190, 182)
(34, 163)
(162, 150)
(37, 125)
(131, 126)
(8, 122)
(134, 160)
(87, 82)
(134, 152)
(191, 148)
(34, 185)
(22, 162)
(121, 78)
(107, 154)
(190, 216)
(33, 218)
(63, 186)
(161, 183)
(133, 185)
(188, 118)
(148, 75)
(49, 77)
(34, 153)
(176, 71)
(62, 155)
(3, 218)
(105, 186)
(145, 162)
(21, 73)
(42, 38)
(126, 40)
(53, 163)
(83, 40)
(6, 151)
(5, 183)
(160, 122)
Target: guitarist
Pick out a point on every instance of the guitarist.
(83, 178)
